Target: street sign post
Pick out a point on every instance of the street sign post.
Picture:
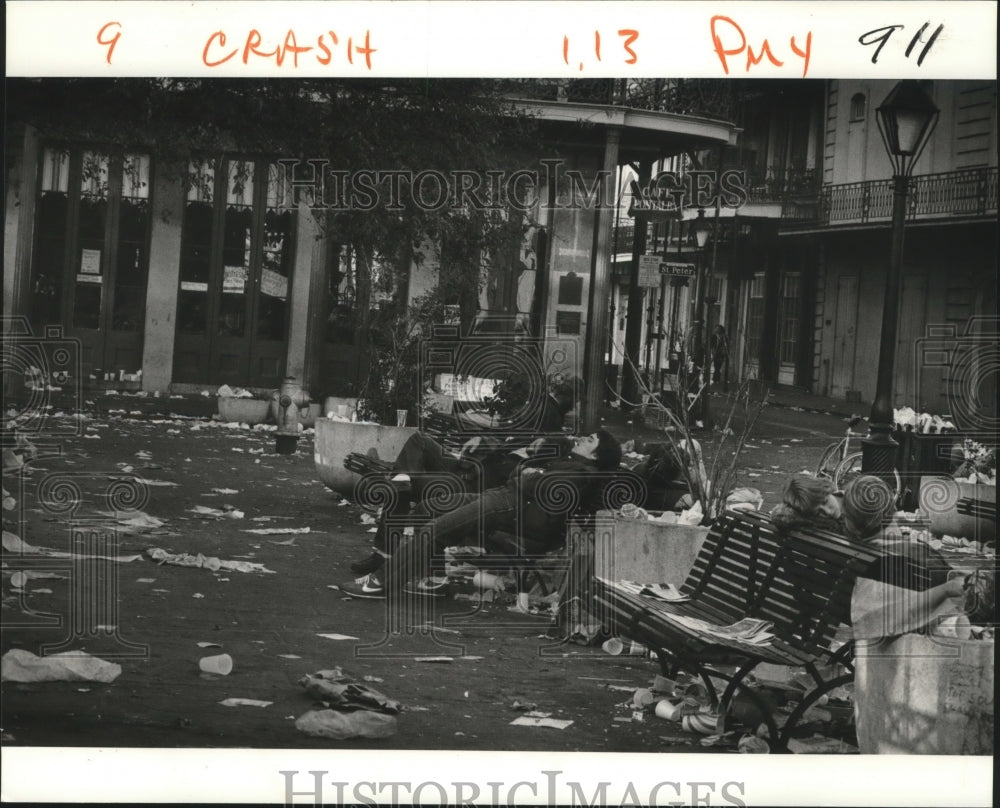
(677, 270)
(649, 271)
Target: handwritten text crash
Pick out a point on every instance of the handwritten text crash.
(729, 39)
(220, 49)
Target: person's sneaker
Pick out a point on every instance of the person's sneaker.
(431, 586)
(367, 565)
(367, 586)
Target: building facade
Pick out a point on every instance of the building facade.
(176, 276)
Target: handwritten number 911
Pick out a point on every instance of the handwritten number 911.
(880, 36)
(628, 34)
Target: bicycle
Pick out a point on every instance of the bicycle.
(840, 464)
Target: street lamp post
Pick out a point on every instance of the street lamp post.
(701, 228)
(906, 121)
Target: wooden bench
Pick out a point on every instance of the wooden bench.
(978, 508)
(800, 582)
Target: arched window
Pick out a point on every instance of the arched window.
(858, 104)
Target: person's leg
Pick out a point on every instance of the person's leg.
(467, 523)
(420, 454)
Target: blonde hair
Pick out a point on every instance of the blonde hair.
(801, 500)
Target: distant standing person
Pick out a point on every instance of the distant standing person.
(720, 354)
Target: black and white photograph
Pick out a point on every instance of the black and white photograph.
(480, 438)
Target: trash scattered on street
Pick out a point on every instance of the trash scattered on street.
(337, 636)
(137, 520)
(434, 659)
(341, 726)
(207, 562)
(531, 721)
(335, 689)
(226, 512)
(369, 678)
(21, 577)
(523, 705)
(277, 531)
(820, 745)
(13, 543)
(224, 491)
(236, 702)
(289, 656)
(752, 745)
(18, 665)
(218, 665)
(209, 645)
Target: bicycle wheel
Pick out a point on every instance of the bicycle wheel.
(850, 468)
(829, 460)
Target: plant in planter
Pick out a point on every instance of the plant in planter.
(711, 472)
(394, 380)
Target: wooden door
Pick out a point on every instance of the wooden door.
(105, 256)
(845, 331)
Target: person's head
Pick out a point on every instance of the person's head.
(601, 447)
(868, 506)
(807, 499)
(812, 496)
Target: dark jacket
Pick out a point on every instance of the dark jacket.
(550, 494)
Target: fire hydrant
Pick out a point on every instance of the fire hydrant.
(286, 403)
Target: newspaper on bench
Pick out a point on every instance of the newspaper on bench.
(749, 630)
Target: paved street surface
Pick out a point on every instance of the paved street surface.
(270, 622)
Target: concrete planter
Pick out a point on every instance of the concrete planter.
(939, 497)
(244, 410)
(924, 696)
(334, 440)
(645, 551)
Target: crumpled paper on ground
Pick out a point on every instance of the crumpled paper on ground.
(330, 688)
(13, 543)
(19, 665)
(212, 563)
(341, 726)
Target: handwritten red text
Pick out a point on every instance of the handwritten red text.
(218, 50)
(104, 37)
(724, 26)
(629, 35)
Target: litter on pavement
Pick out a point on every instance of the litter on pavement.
(532, 721)
(337, 636)
(14, 544)
(236, 702)
(207, 562)
(340, 726)
(277, 531)
(19, 665)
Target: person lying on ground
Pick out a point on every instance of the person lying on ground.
(534, 505)
(485, 461)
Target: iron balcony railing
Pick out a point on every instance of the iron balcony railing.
(969, 192)
(703, 98)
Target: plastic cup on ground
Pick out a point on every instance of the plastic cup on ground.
(614, 646)
(219, 665)
(668, 710)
